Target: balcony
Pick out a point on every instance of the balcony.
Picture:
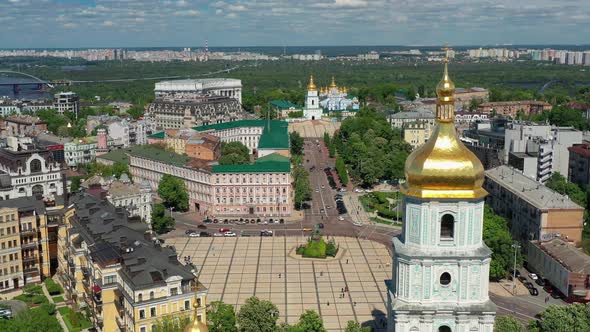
(29, 258)
(121, 323)
(28, 231)
(545, 171)
(32, 244)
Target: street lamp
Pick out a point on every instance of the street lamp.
(516, 246)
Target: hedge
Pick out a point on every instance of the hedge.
(52, 287)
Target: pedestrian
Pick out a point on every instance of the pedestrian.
(321, 274)
(342, 291)
(347, 261)
(279, 276)
(328, 303)
(346, 289)
(354, 304)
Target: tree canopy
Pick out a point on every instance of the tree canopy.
(496, 236)
(302, 186)
(258, 316)
(172, 191)
(234, 153)
(221, 317)
(296, 143)
(557, 318)
(508, 324)
(161, 221)
(353, 326)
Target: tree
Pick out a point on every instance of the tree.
(508, 324)
(172, 191)
(161, 223)
(234, 153)
(341, 169)
(170, 323)
(76, 182)
(119, 169)
(560, 184)
(496, 236)
(221, 317)
(296, 143)
(353, 326)
(310, 321)
(135, 112)
(301, 183)
(37, 319)
(573, 317)
(258, 316)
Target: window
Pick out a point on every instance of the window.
(444, 328)
(174, 291)
(153, 312)
(447, 227)
(142, 329)
(110, 280)
(35, 166)
(141, 313)
(445, 279)
(187, 305)
(139, 297)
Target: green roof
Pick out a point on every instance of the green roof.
(157, 153)
(116, 156)
(283, 104)
(274, 136)
(159, 135)
(273, 163)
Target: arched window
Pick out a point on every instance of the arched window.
(447, 227)
(139, 297)
(35, 166)
(444, 328)
(445, 278)
(37, 191)
(151, 295)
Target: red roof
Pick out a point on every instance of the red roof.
(581, 149)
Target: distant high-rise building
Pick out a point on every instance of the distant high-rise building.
(67, 102)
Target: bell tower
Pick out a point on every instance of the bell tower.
(441, 264)
(312, 110)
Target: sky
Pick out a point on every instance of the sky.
(161, 23)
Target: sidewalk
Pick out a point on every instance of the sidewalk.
(57, 314)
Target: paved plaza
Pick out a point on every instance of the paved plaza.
(235, 269)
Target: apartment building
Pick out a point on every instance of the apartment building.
(579, 165)
(26, 240)
(24, 125)
(67, 102)
(513, 108)
(534, 211)
(128, 133)
(122, 273)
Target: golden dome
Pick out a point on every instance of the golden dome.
(333, 85)
(196, 325)
(444, 167)
(311, 86)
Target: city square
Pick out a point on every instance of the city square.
(235, 269)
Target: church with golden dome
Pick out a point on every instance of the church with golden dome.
(329, 101)
(441, 264)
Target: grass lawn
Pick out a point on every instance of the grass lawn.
(52, 287)
(58, 299)
(379, 202)
(32, 294)
(67, 314)
(385, 221)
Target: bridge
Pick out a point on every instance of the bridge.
(16, 85)
(567, 84)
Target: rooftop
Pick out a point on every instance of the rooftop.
(517, 102)
(272, 163)
(157, 153)
(530, 190)
(581, 149)
(283, 104)
(572, 258)
(414, 115)
(116, 156)
(274, 136)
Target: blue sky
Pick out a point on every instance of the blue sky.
(136, 23)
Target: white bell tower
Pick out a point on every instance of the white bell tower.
(312, 110)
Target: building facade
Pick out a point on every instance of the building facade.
(513, 108)
(441, 263)
(335, 98)
(130, 132)
(84, 150)
(312, 109)
(534, 211)
(183, 89)
(579, 165)
(24, 125)
(66, 102)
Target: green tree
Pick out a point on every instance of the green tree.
(327, 139)
(310, 321)
(172, 191)
(258, 316)
(301, 183)
(76, 181)
(353, 326)
(341, 169)
(119, 169)
(573, 317)
(170, 323)
(221, 317)
(234, 153)
(560, 184)
(161, 222)
(508, 324)
(296, 143)
(135, 111)
(496, 236)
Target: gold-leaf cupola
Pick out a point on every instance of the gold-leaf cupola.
(196, 325)
(443, 168)
(311, 86)
(333, 85)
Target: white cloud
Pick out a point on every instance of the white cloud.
(108, 23)
(342, 4)
(191, 12)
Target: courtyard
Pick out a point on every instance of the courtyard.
(235, 269)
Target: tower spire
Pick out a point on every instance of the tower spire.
(445, 91)
(311, 86)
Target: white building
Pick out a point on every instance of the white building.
(441, 264)
(128, 133)
(226, 87)
(83, 150)
(334, 99)
(66, 102)
(28, 171)
(312, 109)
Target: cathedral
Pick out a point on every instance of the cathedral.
(441, 264)
(329, 101)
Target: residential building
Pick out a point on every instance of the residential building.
(285, 109)
(579, 165)
(66, 102)
(103, 120)
(468, 117)
(534, 211)
(203, 146)
(24, 125)
(565, 266)
(130, 132)
(25, 243)
(398, 120)
(120, 271)
(53, 143)
(513, 108)
(441, 264)
(27, 170)
(261, 137)
(416, 133)
(82, 150)
(187, 89)
(464, 96)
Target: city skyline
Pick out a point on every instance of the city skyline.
(167, 23)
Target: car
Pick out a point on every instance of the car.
(265, 232)
(328, 207)
(202, 227)
(556, 294)
(341, 218)
(533, 276)
(522, 279)
(321, 210)
(517, 273)
(205, 234)
(540, 282)
(229, 234)
(323, 186)
(217, 234)
(320, 225)
(533, 291)
(215, 221)
(342, 190)
(207, 221)
(223, 230)
(282, 221)
(317, 190)
(188, 231)
(307, 229)
(528, 284)
(195, 234)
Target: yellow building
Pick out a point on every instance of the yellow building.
(416, 133)
(24, 241)
(118, 269)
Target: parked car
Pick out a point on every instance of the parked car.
(533, 276)
(202, 227)
(194, 234)
(540, 282)
(528, 284)
(341, 218)
(533, 291)
(522, 279)
(229, 234)
(188, 231)
(556, 294)
(265, 232)
(223, 230)
(205, 234)
(307, 229)
(217, 234)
